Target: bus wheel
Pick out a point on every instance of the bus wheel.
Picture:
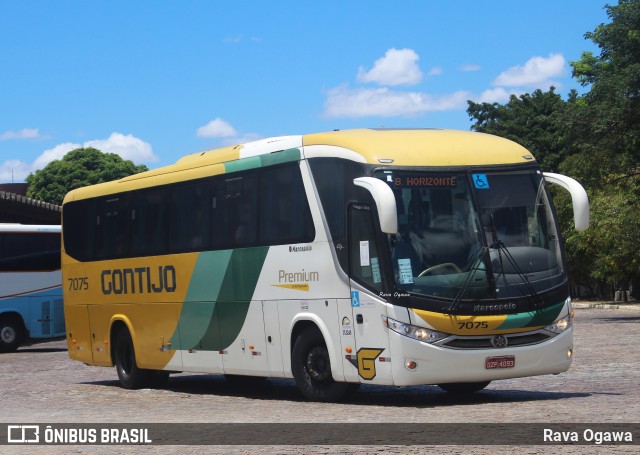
(10, 334)
(130, 376)
(311, 369)
(464, 388)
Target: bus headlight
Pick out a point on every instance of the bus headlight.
(412, 331)
(560, 325)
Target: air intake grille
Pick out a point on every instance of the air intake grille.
(484, 342)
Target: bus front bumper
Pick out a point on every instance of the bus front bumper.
(416, 363)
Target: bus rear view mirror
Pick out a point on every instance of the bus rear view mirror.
(579, 198)
(385, 202)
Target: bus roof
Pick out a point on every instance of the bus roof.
(393, 147)
(424, 147)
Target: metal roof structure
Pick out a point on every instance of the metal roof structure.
(16, 208)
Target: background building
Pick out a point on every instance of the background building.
(16, 207)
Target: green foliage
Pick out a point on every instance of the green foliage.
(78, 168)
(584, 69)
(611, 120)
(616, 235)
(532, 120)
(595, 138)
(608, 251)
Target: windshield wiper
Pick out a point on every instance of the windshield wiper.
(482, 252)
(500, 247)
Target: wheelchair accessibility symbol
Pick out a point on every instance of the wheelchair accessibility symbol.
(480, 181)
(355, 299)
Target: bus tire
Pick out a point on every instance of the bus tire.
(129, 374)
(463, 388)
(311, 369)
(11, 333)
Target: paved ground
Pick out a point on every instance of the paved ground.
(40, 384)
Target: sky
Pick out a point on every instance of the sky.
(157, 80)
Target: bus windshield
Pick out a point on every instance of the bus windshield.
(470, 236)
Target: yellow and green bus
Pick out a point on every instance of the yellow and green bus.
(371, 256)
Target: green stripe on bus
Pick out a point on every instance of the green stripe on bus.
(242, 164)
(536, 318)
(237, 291)
(199, 305)
(547, 315)
(218, 299)
(270, 159)
(281, 157)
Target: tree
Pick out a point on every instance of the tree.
(606, 121)
(609, 117)
(606, 256)
(532, 120)
(78, 168)
(595, 138)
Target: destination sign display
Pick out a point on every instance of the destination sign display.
(425, 181)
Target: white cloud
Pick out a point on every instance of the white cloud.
(127, 146)
(494, 95)
(397, 67)
(237, 39)
(25, 133)
(343, 101)
(233, 39)
(242, 139)
(14, 171)
(537, 72)
(217, 128)
(54, 153)
(470, 68)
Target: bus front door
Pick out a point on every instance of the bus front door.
(372, 342)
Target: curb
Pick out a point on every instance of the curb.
(606, 306)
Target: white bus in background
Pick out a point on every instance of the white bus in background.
(31, 308)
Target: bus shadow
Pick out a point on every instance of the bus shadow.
(58, 344)
(622, 319)
(36, 350)
(367, 395)
(433, 396)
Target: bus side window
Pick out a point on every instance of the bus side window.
(189, 218)
(218, 226)
(80, 230)
(285, 216)
(148, 223)
(112, 226)
(242, 209)
(234, 204)
(22, 251)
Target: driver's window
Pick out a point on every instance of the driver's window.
(363, 251)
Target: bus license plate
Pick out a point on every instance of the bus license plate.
(508, 361)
